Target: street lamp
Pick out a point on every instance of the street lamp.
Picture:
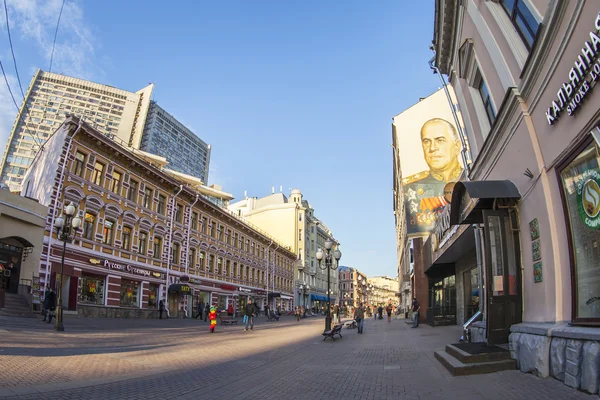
(304, 287)
(66, 227)
(329, 256)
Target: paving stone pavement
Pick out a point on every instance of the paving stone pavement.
(168, 359)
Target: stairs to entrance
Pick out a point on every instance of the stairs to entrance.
(16, 306)
(475, 358)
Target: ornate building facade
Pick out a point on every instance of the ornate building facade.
(145, 236)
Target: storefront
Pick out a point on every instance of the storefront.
(180, 300)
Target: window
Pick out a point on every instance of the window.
(195, 221)
(91, 290)
(213, 229)
(147, 197)
(160, 208)
(126, 238)
(235, 240)
(79, 164)
(88, 225)
(142, 243)
(523, 20)
(116, 182)
(108, 231)
(192, 259)
(178, 212)
(580, 179)
(203, 224)
(157, 247)
(152, 296)
(486, 99)
(129, 293)
(132, 192)
(98, 171)
(211, 263)
(175, 253)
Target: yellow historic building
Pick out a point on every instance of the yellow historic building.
(147, 234)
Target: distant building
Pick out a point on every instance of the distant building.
(167, 137)
(384, 290)
(353, 287)
(50, 97)
(292, 221)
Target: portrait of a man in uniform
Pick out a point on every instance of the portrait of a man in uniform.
(424, 191)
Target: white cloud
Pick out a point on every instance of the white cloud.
(35, 21)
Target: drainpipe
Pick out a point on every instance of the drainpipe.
(62, 173)
(173, 208)
(461, 133)
(267, 270)
(187, 247)
(480, 269)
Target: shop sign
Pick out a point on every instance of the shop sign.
(588, 198)
(584, 72)
(241, 289)
(126, 268)
(184, 279)
(442, 224)
(227, 287)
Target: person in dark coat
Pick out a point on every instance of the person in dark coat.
(161, 309)
(44, 309)
(50, 304)
(200, 311)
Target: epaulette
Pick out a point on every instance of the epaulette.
(416, 177)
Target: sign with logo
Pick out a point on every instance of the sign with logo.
(227, 287)
(588, 198)
(184, 279)
(125, 268)
(241, 289)
(584, 72)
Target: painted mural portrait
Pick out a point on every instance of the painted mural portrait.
(424, 191)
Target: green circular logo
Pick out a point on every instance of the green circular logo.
(588, 199)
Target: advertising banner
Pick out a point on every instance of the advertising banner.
(429, 149)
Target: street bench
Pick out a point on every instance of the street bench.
(337, 330)
(228, 320)
(350, 324)
(272, 317)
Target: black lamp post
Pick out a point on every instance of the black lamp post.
(329, 256)
(304, 287)
(66, 227)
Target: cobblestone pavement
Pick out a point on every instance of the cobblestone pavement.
(168, 359)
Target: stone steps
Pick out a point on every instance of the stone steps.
(459, 362)
(17, 306)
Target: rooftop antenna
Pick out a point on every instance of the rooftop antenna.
(245, 194)
(272, 189)
(280, 188)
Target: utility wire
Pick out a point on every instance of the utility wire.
(55, 34)
(12, 50)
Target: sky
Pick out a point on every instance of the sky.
(291, 94)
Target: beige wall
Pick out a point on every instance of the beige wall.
(25, 218)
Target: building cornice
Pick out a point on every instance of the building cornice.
(446, 14)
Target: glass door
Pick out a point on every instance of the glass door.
(502, 276)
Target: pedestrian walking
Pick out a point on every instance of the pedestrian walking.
(44, 309)
(249, 315)
(380, 312)
(416, 307)
(50, 304)
(388, 309)
(212, 315)
(200, 311)
(230, 310)
(359, 317)
(161, 308)
(206, 311)
(297, 314)
(375, 312)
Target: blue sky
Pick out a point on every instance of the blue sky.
(288, 93)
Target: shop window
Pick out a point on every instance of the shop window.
(79, 164)
(132, 192)
(98, 171)
(142, 243)
(91, 290)
(126, 238)
(522, 19)
(157, 247)
(152, 296)
(88, 225)
(580, 180)
(222, 304)
(129, 293)
(108, 231)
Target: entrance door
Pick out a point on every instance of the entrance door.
(502, 276)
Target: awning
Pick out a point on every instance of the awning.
(470, 198)
(318, 297)
(180, 288)
(460, 245)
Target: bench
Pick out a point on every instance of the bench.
(272, 317)
(228, 320)
(337, 330)
(351, 324)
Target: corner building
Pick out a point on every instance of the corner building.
(145, 236)
(525, 224)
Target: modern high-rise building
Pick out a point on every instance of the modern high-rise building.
(167, 137)
(50, 97)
